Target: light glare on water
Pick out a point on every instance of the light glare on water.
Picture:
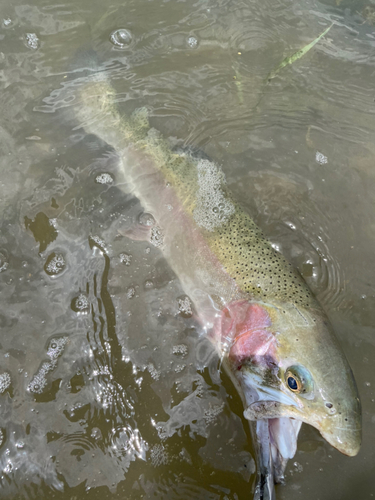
(108, 387)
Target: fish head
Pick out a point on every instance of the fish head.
(289, 369)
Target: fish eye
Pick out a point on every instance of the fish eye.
(298, 379)
(292, 383)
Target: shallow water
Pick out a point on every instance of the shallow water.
(113, 392)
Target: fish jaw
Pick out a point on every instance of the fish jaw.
(275, 441)
(343, 431)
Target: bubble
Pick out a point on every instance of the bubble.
(20, 445)
(213, 209)
(157, 237)
(7, 22)
(155, 374)
(130, 292)
(149, 284)
(98, 242)
(185, 307)
(125, 258)
(8, 469)
(2, 436)
(211, 414)
(121, 38)
(39, 381)
(146, 219)
(81, 304)
(104, 179)
(4, 262)
(179, 368)
(56, 347)
(55, 264)
(297, 467)
(96, 433)
(32, 41)
(159, 456)
(5, 382)
(192, 42)
(320, 158)
(180, 350)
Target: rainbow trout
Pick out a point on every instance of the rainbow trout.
(273, 337)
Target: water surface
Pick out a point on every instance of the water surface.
(108, 388)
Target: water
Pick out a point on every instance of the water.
(108, 388)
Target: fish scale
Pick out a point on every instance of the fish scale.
(255, 265)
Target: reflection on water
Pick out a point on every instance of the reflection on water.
(107, 386)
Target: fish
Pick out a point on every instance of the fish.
(272, 336)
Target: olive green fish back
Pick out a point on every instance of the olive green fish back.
(239, 245)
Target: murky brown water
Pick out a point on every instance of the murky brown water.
(106, 390)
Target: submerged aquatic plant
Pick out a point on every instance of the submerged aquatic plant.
(297, 55)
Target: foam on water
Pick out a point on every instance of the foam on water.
(157, 237)
(32, 41)
(159, 455)
(56, 347)
(180, 350)
(125, 258)
(81, 304)
(54, 350)
(155, 374)
(97, 241)
(104, 178)
(39, 381)
(185, 307)
(55, 264)
(192, 42)
(5, 382)
(213, 208)
(212, 413)
(3, 260)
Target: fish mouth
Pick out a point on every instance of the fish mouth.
(343, 431)
(347, 442)
(275, 441)
(274, 434)
(275, 426)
